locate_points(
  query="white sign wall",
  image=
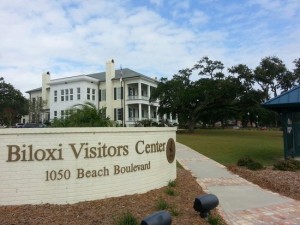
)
(69, 165)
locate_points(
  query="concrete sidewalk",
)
(241, 202)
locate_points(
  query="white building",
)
(105, 89)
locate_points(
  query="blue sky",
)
(153, 37)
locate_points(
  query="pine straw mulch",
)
(283, 182)
(107, 211)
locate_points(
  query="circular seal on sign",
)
(171, 150)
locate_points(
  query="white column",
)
(148, 91)
(140, 112)
(139, 90)
(149, 112)
(126, 113)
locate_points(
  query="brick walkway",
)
(241, 202)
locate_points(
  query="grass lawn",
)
(228, 146)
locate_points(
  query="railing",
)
(135, 97)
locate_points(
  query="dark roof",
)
(287, 100)
(33, 90)
(126, 73)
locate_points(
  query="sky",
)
(153, 37)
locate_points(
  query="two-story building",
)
(124, 93)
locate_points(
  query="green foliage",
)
(84, 115)
(172, 183)
(250, 163)
(287, 165)
(254, 166)
(162, 204)
(127, 219)
(174, 211)
(13, 104)
(170, 191)
(215, 220)
(244, 161)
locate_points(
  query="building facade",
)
(124, 93)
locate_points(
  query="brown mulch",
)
(283, 182)
(108, 210)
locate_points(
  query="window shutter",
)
(115, 93)
(121, 92)
(115, 114)
(99, 95)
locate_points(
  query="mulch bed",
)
(107, 211)
(283, 182)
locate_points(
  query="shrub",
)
(162, 204)
(172, 183)
(287, 165)
(170, 191)
(244, 161)
(174, 211)
(254, 166)
(127, 219)
(214, 220)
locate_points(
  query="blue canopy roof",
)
(289, 100)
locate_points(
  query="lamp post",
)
(248, 119)
(122, 96)
(257, 121)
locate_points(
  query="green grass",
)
(228, 146)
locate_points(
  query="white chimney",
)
(45, 85)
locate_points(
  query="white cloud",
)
(75, 37)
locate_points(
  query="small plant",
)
(250, 163)
(254, 166)
(214, 220)
(127, 219)
(287, 165)
(244, 161)
(172, 183)
(170, 191)
(174, 211)
(162, 204)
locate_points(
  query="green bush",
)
(170, 191)
(127, 219)
(287, 165)
(250, 163)
(214, 220)
(244, 161)
(254, 166)
(172, 183)
(162, 204)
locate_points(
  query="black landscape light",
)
(158, 218)
(204, 203)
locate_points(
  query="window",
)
(118, 115)
(62, 97)
(78, 93)
(93, 94)
(118, 93)
(67, 94)
(62, 113)
(131, 113)
(55, 96)
(55, 114)
(102, 95)
(71, 94)
(88, 91)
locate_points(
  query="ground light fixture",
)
(158, 218)
(204, 203)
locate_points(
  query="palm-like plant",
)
(84, 115)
